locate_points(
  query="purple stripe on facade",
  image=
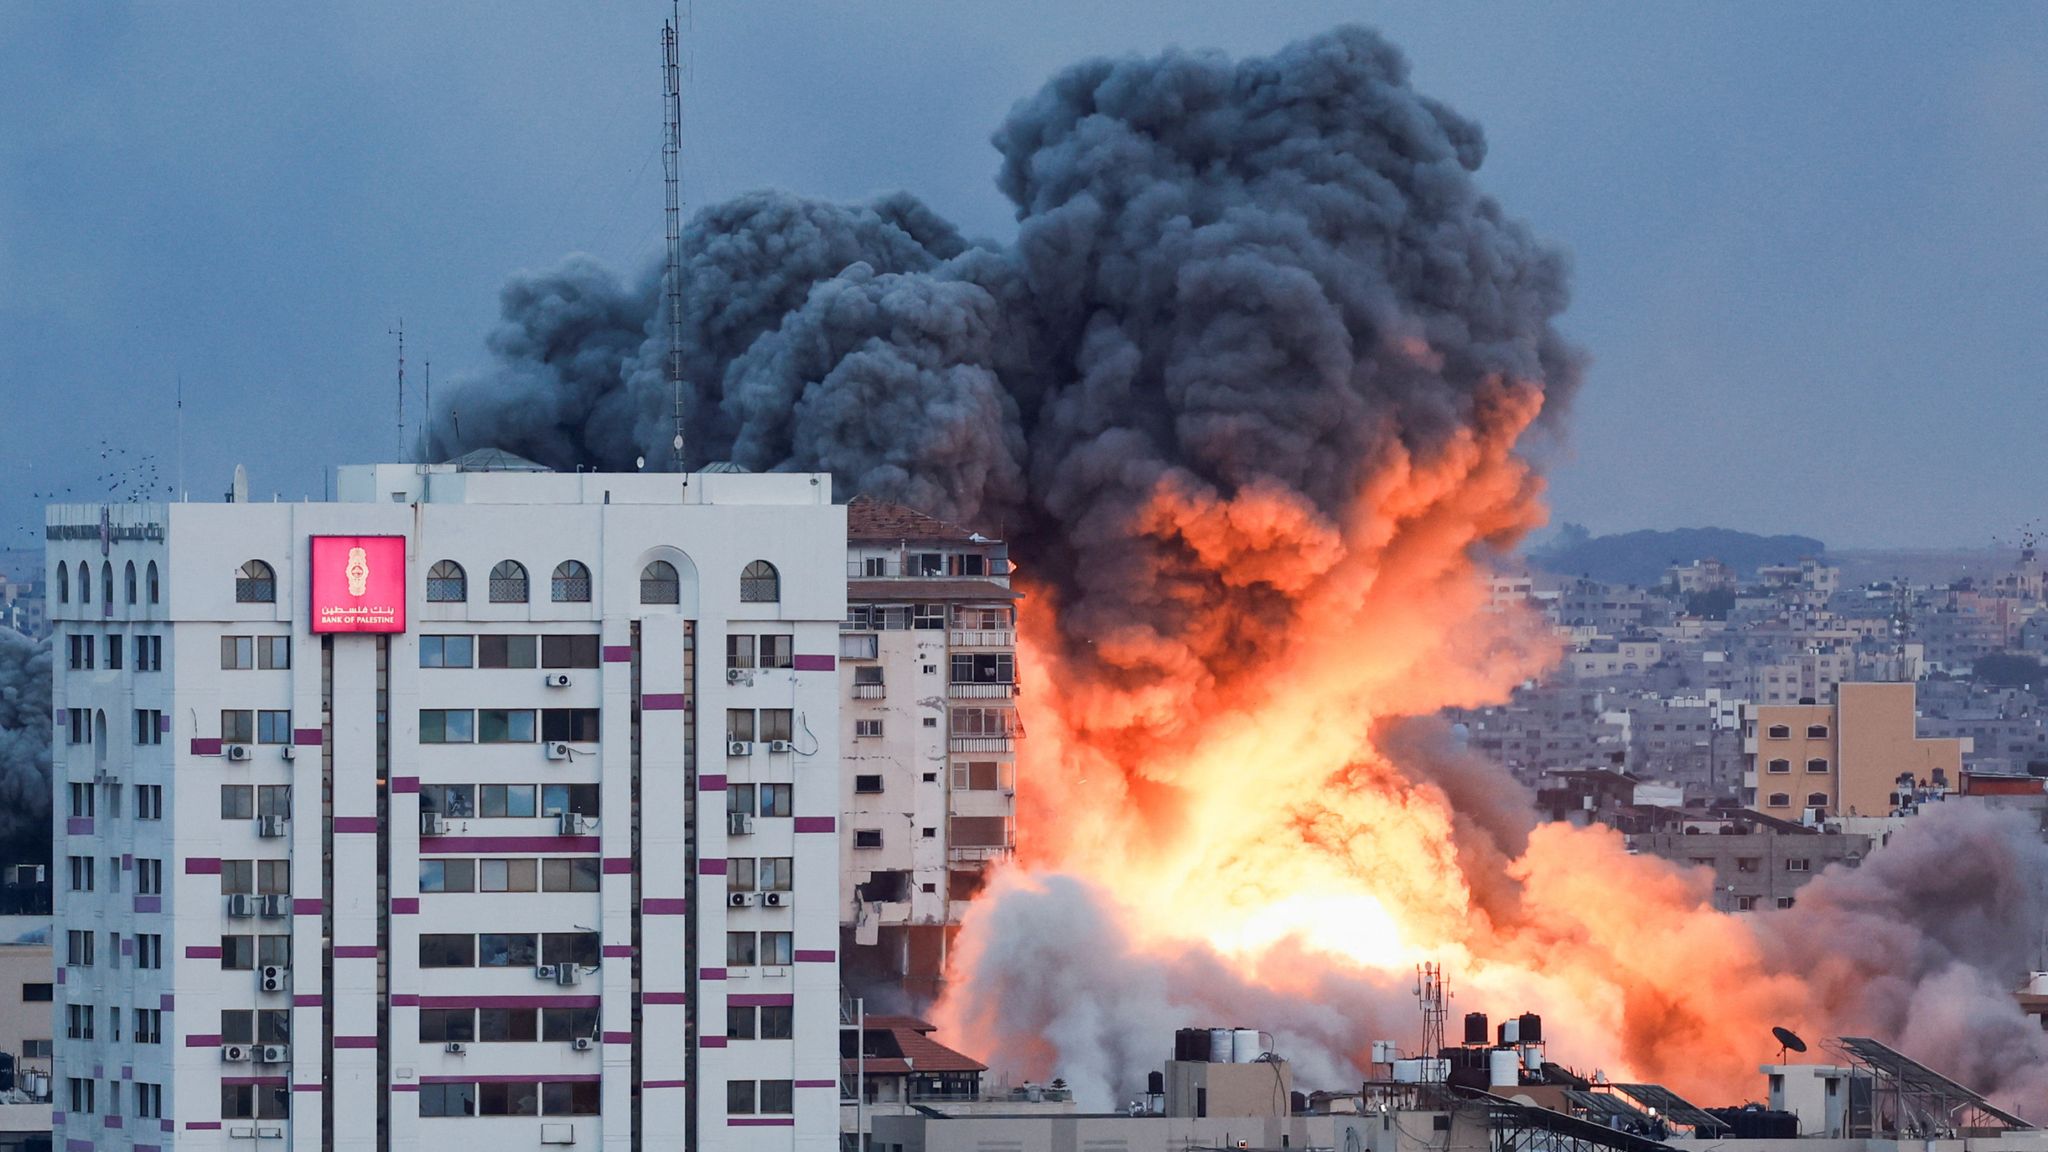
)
(627, 1038)
(163, 722)
(815, 956)
(667, 906)
(817, 1084)
(618, 865)
(355, 951)
(761, 1000)
(711, 867)
(585, 845)
(60, 975)
(313, 1000)
(711, 1041)
(710, 783)
(77, 1146)
(168, 1124)
(196, 1040)
(202, 865)
(663, 701)
(618, 653)
(355, 824)
(816, 823)
(508, 1001)
(202, 1125)
(405, 785)
(307, 1088)
(167, 1002)
(127, 946)
(127, 861)
(202, 952)
(204, 747)
(405, 999)
(710, 973)
(579, 1078)
(127, 1071)
(761, 1122)
(149, 903)
(405, 1087)
(56, 1118)
(111, 1121)
(78, 826)
(308, 906)
(618, 951)
(355, 1041)
(306, 737)
(663, 998)
(804, 663)
(664, 1084)
(257, 1081)
(405, 905)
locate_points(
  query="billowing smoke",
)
(24, 747)
(1247, 393)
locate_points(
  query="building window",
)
(128, 581)
(1778, 800)
(254, 1102)
(447, 726)
(78, 948)
(777, 1022)
(1798, 864)
(867, 838)
(273, 727)
(1786, 902)
(504, 726)
(447, 950)
(255, 583)
(42, 993)
(447, 651)
(571, 583)
(155, 591)
(1816, 799)
(149, 801)
(447, 876)
(927, 617)
(741, 950)
(1745, 903)
(993, 668)
(576, 650)
(739, 1098)
(576, 725)
(776, 1096)
(760, 583)
(1779, 731)
(84, 583)
(739, 1023)
(507, 651)
(1816, 765)
(1779, 766)
(778, 651)
(777, 799)
(237, 725)
(447, 583)
(867, 728)
(1817, 731)
(106, 583)
(505, 800)
(739, 651)
(63, 584)
(508, 583)
(739, 724)
(513, 875)
(659, 584)
(447, 1099)
(867, 783)
(237, 653)
(114, 653)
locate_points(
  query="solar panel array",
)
(1605, 1107)
(1673, 1107)
(1912, 1076)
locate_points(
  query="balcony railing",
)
(981, 852)
(981, 691)
(869, 691)
(984, 638)
(984, 743)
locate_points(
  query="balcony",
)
(980, 853)
(984, 638)
(984, 744)
(981, 691)
(869, 691)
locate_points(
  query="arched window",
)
(106, 582)
(1816, 765)
(659, 584)
(84, 583)
(760, 583)
(1778, 800)
(508, 583)
(154, 591)
(255, 583)
(571, 584)
(1817, 731)
(1816, 799)
(63, 583)
(1780, 732)
(129, 580)
(447, 583)
(1779, 766)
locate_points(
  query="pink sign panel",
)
(358, 583)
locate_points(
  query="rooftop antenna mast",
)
(671, 162)
(181, 435)
(401, 387)
(1430, 994)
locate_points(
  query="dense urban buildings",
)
(481, 806)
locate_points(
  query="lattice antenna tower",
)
(671, 162)
(1431, 995)
(400, 330)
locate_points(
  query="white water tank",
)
(1532, 1057)
(1503, 1069)
(1407, 1071)
(1511, 1031)
(1244, 1046)
(1383, 1052)
(1219, 1045)
(2037, 984)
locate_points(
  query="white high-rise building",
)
(480, 807)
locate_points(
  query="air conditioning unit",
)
(739, 899)
(739, 748)
(274, 978)
(558, 1133)
(271, 827)
(544, 972)
(557, 680)
(558, 750)
(739, 824)
(241, 906)
(454, 1048)
(777, 899)
(234, 1053)
(274, 907)
(568, 975)
(238, 751)
(433, 824)
(582, 1044)
(739, 676)
(288, 752)
(571, 824)
(782, 746)
(274, 1054)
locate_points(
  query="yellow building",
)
(1845, 758)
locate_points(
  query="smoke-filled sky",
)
(1806, 240)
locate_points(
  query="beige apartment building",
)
(1845, 758)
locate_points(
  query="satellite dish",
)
(1788, 1040)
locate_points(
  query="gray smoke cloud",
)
(24, 746)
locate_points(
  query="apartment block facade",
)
(428, 817)
(928, 738)
(1859, 756)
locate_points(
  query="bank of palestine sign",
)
(358, 583)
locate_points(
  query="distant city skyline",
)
(1803, 252)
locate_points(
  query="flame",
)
(1224, 786)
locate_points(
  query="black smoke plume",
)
(24, 749)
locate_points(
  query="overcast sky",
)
(1810, 241)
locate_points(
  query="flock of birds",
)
(125, 476)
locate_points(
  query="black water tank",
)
(1155, 1083)
(1191, 1044)
(1476, 1028)
(1532, 1028)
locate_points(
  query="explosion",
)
(1253, 393)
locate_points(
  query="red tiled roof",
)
(921, 1053)
(958, 588)
(870, 519)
